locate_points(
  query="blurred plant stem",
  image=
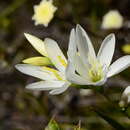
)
(99, 90)
(8, 11)
(78, 127)
(11, 8)
(35, 106)
(111, 121)
(125, 111)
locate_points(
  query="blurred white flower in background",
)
(87, 68)
(125, 98)
(126, 48)
(86, 92)
(112, 20)
(44, 12)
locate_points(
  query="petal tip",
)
(28, 87)
(17, 66)
(49, 41)
(72, 30)
(26, 34)
(46, 39)
(78, 26)
(112, 35)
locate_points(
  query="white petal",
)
(80, 67)
(46, 85)
(59, 75)
(35, 71)
(106, 50)
(127, 90)
(73, 77)
(72, 50)
(82, 45)
(37, 43)
(85, 46)
(60, 90)
(119, 65)
(55, 54)
(38, 61)
(73, 55)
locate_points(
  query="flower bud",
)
(125, 98)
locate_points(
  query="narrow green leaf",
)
(111, 121)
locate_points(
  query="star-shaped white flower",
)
(51, 79)
(84, 67)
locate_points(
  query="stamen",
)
(62, 61)
(55, 72)
(96, 70)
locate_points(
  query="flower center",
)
(95, 75)
(96, 71)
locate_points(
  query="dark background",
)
(21, 109)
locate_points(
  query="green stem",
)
(11, 8)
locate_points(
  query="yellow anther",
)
(95, 75)
(95, 72)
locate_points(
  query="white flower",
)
(44, 12)
(52, 79)
(84, 67)
(112, 20)
(125, 98)
(86, 92)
